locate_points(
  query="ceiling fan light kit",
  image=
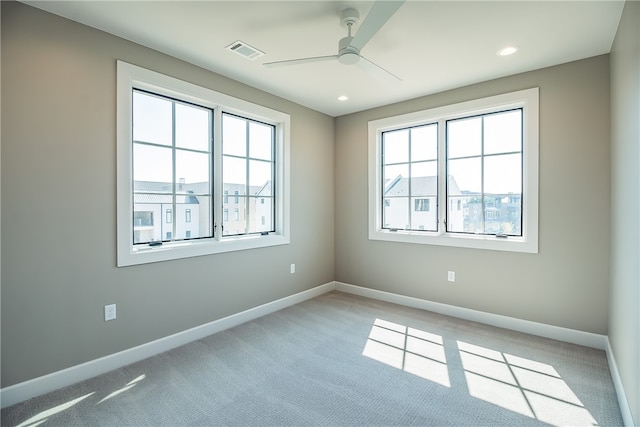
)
(349, 47)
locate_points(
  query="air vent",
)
(244, 50)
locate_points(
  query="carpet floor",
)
(344, 360)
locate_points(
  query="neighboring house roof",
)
(166, 187)
(152, 198)
(192, 190)
(265, 190)
(420, 186)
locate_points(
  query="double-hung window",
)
(461, 175)
(182, 149)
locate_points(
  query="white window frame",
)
(129, 77)
(528, 242)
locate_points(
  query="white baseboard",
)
(26, 390)
(547, 331)
(625, 409)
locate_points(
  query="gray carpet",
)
(344, 360)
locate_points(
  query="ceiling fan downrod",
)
(348, 54)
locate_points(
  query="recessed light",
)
(343, 98)
(506, 51)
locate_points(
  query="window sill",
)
(145, 254)
(486, 242)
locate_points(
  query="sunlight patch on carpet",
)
(528, 387)
(129, 386)
(412, 350)
(44, 415)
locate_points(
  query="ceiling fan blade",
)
(377, 72)
(378, 15)
(300, 61)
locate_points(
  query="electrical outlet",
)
(451, 276)
(293, 268)
(109, 312)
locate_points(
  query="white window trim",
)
(131, 76)
(528, 243)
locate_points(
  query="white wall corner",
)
(625, 409)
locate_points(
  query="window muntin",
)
(508, 207)
(484, 166)
(178, 154)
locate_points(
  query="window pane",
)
(464, 214)
(424, 143)
(511, 215)
(465, 175)
(396, 213)
(395, 147)
(234, 171)
(259, 175)
(144, 223)
(424, 215)
(234, 135)
(395, 180)
(503, 132)
(503, 174)
(236, 220)
(261, 141)
(152, 163)
(193, 217)
(191, 168)
(260, 214)
(424, 180)
(152, 119)
(502, 215)
(464, 137)
(192, 127)
(456, 219)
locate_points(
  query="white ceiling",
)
(431, 45)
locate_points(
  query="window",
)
(248, 167)
(421, 205)
(461, 175)
(409, 174)
(143, 219)
(182, 149)
(484, 164)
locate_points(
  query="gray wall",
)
(58, 206)
(566, 283)
(624, 311)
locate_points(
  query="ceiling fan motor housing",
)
(347, 54)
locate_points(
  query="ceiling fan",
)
(349, 47)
